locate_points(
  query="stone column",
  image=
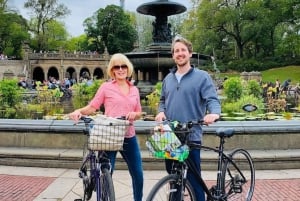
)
(160, 76)
(140, 75)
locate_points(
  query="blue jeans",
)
(194, 155)
(132, 156)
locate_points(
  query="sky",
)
(82, 9)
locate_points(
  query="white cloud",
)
(80, 10)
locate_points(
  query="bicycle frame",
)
(222, 157)
(230, 178)
(97, 160)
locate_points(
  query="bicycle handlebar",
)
(190, 124)
(87, 119)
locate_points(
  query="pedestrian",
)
(120, 98)
(277, 86)
(188, 94)
(285, 86)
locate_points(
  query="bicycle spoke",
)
(168, 190)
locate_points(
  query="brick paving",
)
(277, 190)
(274, 189)
(22, 188)
(26, 188)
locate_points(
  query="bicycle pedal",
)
(237, 188)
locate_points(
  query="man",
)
(188, 94)
(285, 86)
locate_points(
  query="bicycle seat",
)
(225, 132)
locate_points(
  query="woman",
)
(120, 98)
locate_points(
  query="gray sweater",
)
(190, 99)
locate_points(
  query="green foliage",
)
(79, 43)
(11, 94)
(10, 113)
(82, 93)
(233, 89)
(27, 111)
(237, 107)
(247, 65)
(45, 95)
(56, 35)
(144, 30)
(244, 30)
(152, 99)
(13, 33)
(111, 27)
(46, 12)
(254, 88)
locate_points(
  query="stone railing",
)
(255, 135)
(53, 55)
(58, 143)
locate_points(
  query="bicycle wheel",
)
(238, 176)
(88, 180)
(168, 189)
(106, 188)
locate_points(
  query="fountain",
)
(153, 64)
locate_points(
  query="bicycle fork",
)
(177, 189)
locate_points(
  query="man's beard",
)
(182, 63)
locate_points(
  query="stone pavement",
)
(58, 184)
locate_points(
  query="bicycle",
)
(95, 170)
(235, 172)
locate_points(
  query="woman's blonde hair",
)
(118, 57)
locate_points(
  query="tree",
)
(283, 26)
(144, 30)
(111, 28)
(54, 38)
(77, 44)
(13, 31)
(239, 29)
(44, 12)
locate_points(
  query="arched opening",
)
(98, 74)
(84, 74)
(53, 72)
(70, 73)
(38, 74)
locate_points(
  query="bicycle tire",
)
(87, 180)
(238, 181)
(162, 191)
(106, 188)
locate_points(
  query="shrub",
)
(83, 93)
(245, 65)
(11, 94)
(233, 107)
(233, 89)
(153, 98)
(254, 88)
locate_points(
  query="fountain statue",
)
(153, 64)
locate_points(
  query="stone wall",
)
(257, 135)
(13, 67)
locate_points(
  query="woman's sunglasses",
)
(122, 67)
